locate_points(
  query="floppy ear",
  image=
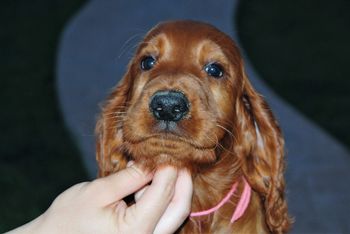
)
(260, 146)
(109, 133)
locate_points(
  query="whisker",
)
(125, 45)
(114, 116)
(226, 130)
(115, 113)
(112, 113)
(117, 119)
(218, 144)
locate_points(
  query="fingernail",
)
(140, 169)
(130, 163)
(168, 171)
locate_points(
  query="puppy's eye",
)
(214, 69)
(148, 63)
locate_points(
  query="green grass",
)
(301, 48)
(38, 158)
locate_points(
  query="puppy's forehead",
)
(169, 45)
(158, 45)
(189, 38)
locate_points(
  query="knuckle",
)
(135, 173)
(186, 212)
(169, 189)
(96, 185)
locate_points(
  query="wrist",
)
(34, 226)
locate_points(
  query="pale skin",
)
(97, 206)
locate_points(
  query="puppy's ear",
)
(260, 147)
(109, 133)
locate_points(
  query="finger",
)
(125, 182)
(139, 193)
(156, 197)
(179, 207)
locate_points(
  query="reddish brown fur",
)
(217, 141)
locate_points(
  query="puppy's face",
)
(185, 80)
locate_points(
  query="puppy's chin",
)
(153, 153)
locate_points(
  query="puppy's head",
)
(176, 101)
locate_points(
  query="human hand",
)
(97, 206)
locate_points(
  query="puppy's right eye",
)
(148, 63)
(214, 69)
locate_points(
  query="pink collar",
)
(241, 205)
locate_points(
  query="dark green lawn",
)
(301, 48)
(38, 158)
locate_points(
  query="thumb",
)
(123, 183)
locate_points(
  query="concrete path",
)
(95, 48)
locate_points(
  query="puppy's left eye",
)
(148, 63)
(214, 69)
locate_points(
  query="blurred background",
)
(300, 48)
(38, 157)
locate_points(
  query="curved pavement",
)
(94, 50)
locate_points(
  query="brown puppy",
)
(186, 101)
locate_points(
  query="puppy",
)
(186, 101)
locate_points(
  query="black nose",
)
(169, 105)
